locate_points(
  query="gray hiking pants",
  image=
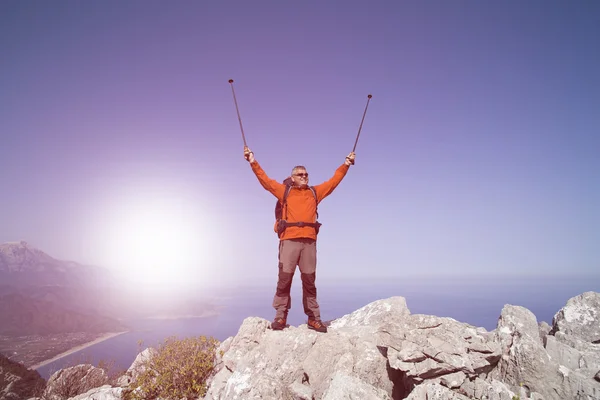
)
(303, 253)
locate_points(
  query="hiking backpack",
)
(280, 223)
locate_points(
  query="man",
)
(298, 238)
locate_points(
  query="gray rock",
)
(590, 360)
(217, 383)
(345, 387)
(137, 367)
(578, 386)
(544, 330)
(377, 313)
(221, 374)
(300, 391)
(580, 317)
(525, 362)
(17, 381)
(434, 391)
(102, 393)
(426, 347)
(563, 354)
(296, 362)
(453, 381)
(70, 382)
(479, 388)
(589, 353)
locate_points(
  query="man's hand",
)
(248, 154)
(350, 159)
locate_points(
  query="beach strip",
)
(77, 348)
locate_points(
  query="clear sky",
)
(479, 155)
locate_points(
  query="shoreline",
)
(76, 349)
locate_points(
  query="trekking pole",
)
(361, 124)
(238, 113)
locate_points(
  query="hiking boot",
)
(316, 326)
(278, 324)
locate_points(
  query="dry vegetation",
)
(178, 370)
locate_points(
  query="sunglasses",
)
(302, 175)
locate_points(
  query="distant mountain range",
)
(42, 295)
(23, 265)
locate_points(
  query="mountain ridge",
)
(24, 265)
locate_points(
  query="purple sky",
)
(478, 155)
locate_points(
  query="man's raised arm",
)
(326, 188)
(276, 188)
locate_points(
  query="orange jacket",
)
(300, 203)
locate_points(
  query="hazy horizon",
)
(407, 274)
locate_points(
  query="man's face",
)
(300, 177)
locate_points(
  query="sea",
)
(476, 301)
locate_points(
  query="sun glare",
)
(158, 242)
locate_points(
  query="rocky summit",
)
(382, 351)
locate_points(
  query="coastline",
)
(75, 349)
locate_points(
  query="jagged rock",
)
(544, 330)
(380, 345)
(377, 313)
(70, 382)
(580, 317)
(565, 346)
(434, 391)
(425, 347)
(18, 382)
(453, 381)
(259, 362)
(562, 353)
(105, 392)
(525, 363)
(300, 391)
(383, 351)
(479, 388)
(345, 387)
(137, 367)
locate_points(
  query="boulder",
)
(526, 364)
(72, 381)
(137, 367)
(580, 318)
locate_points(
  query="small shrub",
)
(179, 370)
